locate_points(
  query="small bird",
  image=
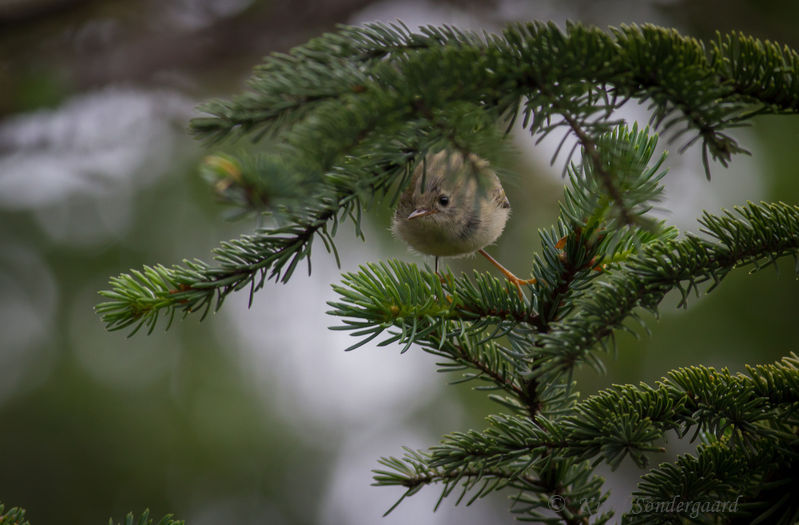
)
(455, 205)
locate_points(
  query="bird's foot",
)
(509, 275)
(519, 282)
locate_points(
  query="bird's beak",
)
(421, 212)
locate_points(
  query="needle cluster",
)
(345, 119)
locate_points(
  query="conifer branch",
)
(751, 426)
(349, 98)
(348, 116)
(709, 86)
(753, 235)
(719, 482)
(590, 154)
(533, 493)
(13, 516)
(335, 86)
(137, 299)
(626, 421)
(145, 519)
(445, 316)
(140, 297)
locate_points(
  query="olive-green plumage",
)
(455, 205)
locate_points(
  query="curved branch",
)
(756, 233)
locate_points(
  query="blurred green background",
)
(257, 415)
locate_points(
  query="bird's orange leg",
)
(508, 274)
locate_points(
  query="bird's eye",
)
(443, 200)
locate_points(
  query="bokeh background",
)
(258, 416)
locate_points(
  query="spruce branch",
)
(590, 71)
(593, 230)
(381, 296)
(145, 519)
(342, 192)
(748, 65)
(720, 483)
(590, 151)
(627, 420)
(398, 292)
(344, 121)
(532, 494)
(715, 404)
(342, 87)
(530, 455)
(755, 235)
(413, 472)
(371, 94)
(138, 298)
(13, 516)
(456, 319)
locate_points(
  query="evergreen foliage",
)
(145, 519)
(12, 516)
(345, 118)
(16, 516)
